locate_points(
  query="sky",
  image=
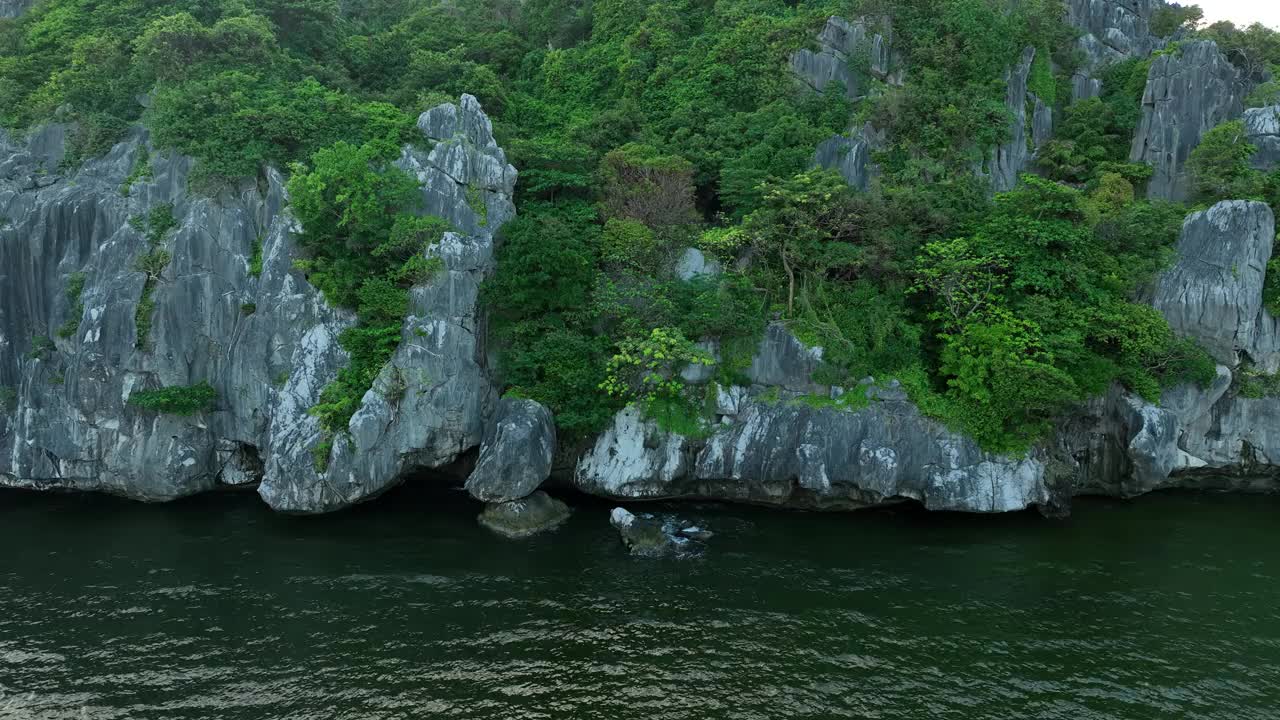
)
(1241, 12)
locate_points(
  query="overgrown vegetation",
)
(155, 227)
(642, 128)
(365, 248)
(75, 288)
(176, 400)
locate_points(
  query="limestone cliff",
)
(1263, 126)
(1110, 31)
(264, 339)
(1189, 91)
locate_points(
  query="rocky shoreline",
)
(231, 311)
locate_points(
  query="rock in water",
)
(642, 535)
(516, 455)
(525, 517)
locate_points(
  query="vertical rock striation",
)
(1263, 126)
(786, 440)
(850, 54)
(13, 8)
(1110, 31)
(1189, 91)
(265, 340)
(430, 403)
(1006, 161)
(844, 49)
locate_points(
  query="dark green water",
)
(1167, 607)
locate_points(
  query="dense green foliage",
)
(365, 248)
(642, 128)
(177, 400)
(1169, 19)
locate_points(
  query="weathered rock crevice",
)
(72, 426)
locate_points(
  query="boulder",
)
(515, 457)
(528, 516)
(13, 8)
(643, 535)
(1189, 91)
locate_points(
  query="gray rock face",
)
(1214, 292)
(13, 8)
(537, 513)
(267, 343)
(693, 263)
(783, 361)
(429, 404)
(841, 44)
(850, 155)
(516, 455)
(1211, 436)
(1263, 127)
(1008, 160)
(1188, 93)
(1214, 436)
(777, 448)
(72, 427)
(1111, 30)
(788, 453)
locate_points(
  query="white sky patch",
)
(1240, 12)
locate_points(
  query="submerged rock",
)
(516, 455)
(643, 535)
(525, 517)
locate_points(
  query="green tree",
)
(1219, 166)
(1168, 19)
